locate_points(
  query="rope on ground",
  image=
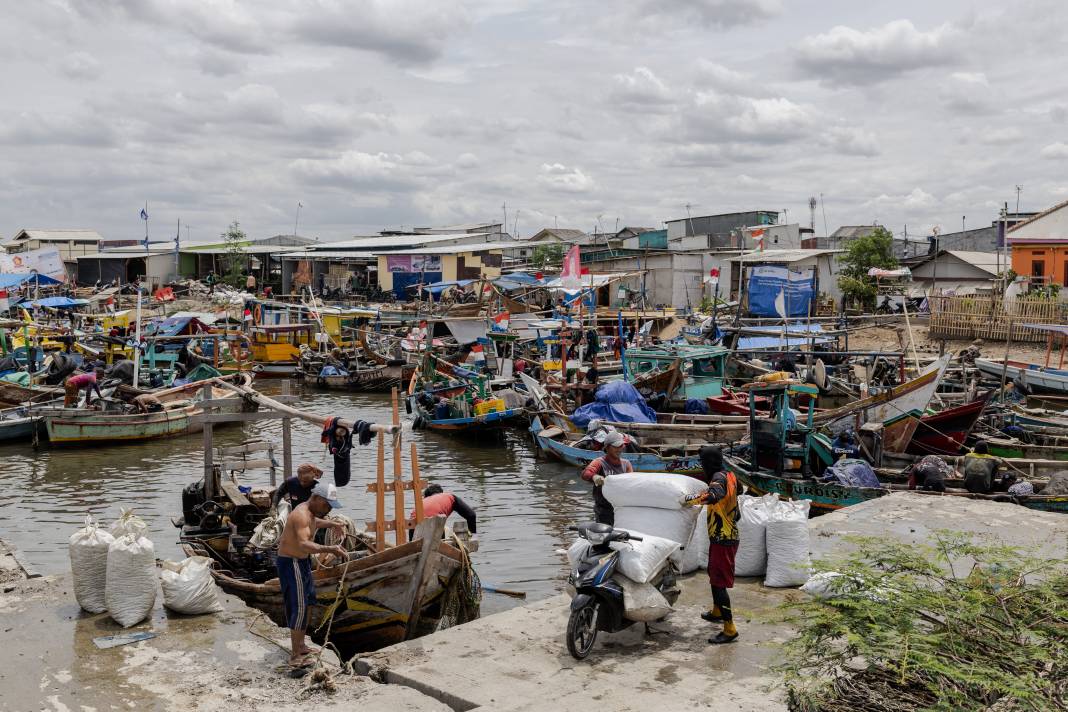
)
(321, 678)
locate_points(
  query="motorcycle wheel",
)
(582, 631)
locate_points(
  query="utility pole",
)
(823, 208)
(296, 220)
(504, 207)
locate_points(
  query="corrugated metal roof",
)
(780, 256)
(71, 234)
(327, 255)
(402, 240)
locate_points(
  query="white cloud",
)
(1056, 151)
(851, 141)
(558, 177)
(641, 88)
(706, 13)
(845, 54)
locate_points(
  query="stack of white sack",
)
(188, 586)
(642, 601)
(89, 565)
(655, 503)
(639, 561)
(753, 512)
(787, 544)
(131, 573)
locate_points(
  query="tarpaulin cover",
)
(439, 287)
(13, 280)
(466, 331)
(58, 302)
(852, 473)
(889, 273)
(767, 281)
(617, 401)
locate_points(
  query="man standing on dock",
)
(605, 466)
(722, 505)
(294, 562)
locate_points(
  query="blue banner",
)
(793, 290)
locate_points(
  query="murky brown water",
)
(524, 504)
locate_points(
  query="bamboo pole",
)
(417, 486)
(380, 496)
(398, 480)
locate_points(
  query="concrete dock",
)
(512, 661)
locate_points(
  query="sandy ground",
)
(212, 663)
(895, 337)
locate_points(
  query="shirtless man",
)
(294, 562)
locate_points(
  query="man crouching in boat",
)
(294, 562)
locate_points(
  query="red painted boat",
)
(944, 433)
(734, 403)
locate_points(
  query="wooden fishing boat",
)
(1009, 448)
(702, 369)
(553, 442)
(370, 379)
(178, 416)
(685, 433)
(275, 349)
(1035, 377)
(944, 433)
(825, 497)
(14, 394)
(388, 596)
(16, 425)
(448, 398)
(899, 409)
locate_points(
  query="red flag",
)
(584, 271)
(571, 275)
(501, 320)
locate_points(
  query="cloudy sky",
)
(390, 113)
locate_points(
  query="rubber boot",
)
(713, 616)
(728, 635)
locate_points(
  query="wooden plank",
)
(390, 487)
(248, 447)
(287, 448)
(430, 532)
(236, 496)
(254, 417)
(380, 497)
(390, 525)
(417, 485)
(241, 463)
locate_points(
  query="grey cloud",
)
(642, 89)
(707, 13)
(851, 141)
(54, 129)
(80, 65)
(851, 56)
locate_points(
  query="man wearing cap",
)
(298, 490)
(605, 466)
(294, 562)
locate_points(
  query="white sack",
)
(576, 552)
(752, 556)
(127, 523)
(89, 565)
(674, 524)
(642, 601)
(695, 555)
(131, 579)
(787, 544)
(661, 490)
(641, 560)
(822, 585)
(188, 586)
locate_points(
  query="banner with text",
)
(767, 282)
(45, 261)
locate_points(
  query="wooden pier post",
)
(398, 481)
(209, 465)
(380, 496)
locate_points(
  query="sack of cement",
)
(188, 586)
(131, 579)
(676, 525)
(695, 555)
(660, 490)
(642, 601)
(641, 560)
(787, 544)
(89, 565)
(752, 556)
(127, 523)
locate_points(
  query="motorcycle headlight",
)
(596, 537)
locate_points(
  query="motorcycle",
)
(597, 597)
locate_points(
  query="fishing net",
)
(462, 599)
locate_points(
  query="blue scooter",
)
(598, 598)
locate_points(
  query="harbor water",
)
(524, 504)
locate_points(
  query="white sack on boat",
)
(661, 490)
(787, 544)
(642, 601)
(752, 556)
(676, 525)
(188, 586)
(89, 565)
(131, 579)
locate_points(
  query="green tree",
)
(546, 256)
(873, 250)
(235, 239)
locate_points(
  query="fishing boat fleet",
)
(797, 413)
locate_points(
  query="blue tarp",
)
(58, 302)
(516, 280)
(774, 338)
(8, 280)
(767, 281)
(851, 473)
(439, 287)
(617, 401)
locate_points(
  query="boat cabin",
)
(701, 369)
